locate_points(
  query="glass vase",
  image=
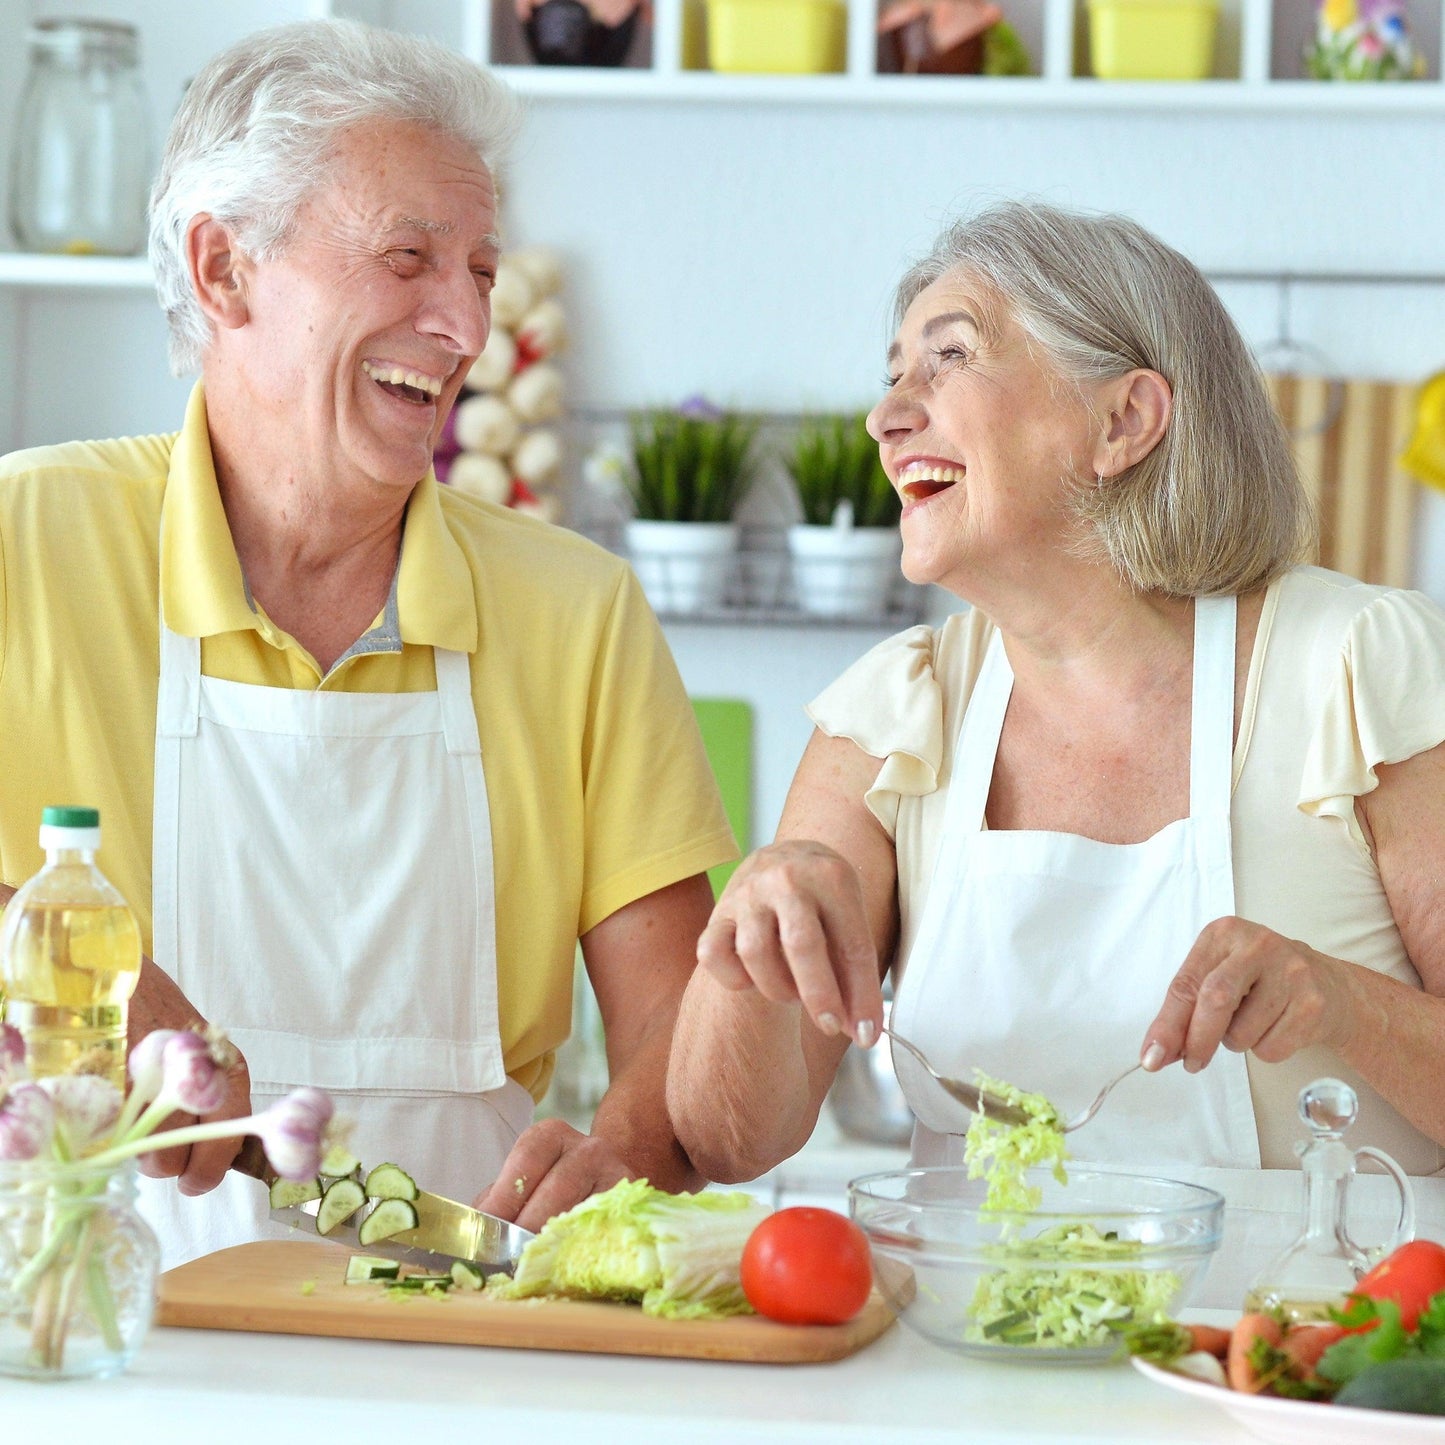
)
(78, 1269)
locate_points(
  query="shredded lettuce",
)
(677, 1255)
(1001, 1152)
(1035, 1303)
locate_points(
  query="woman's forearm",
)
(1395, 1041)
(744, 1084)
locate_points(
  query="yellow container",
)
(777, 37)
(1152, 39)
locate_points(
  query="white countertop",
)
(208, 1387)
(239, 1388)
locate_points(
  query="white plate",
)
(1304, 1422)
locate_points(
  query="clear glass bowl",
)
(1059, 1283)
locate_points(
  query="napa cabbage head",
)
(677, 1255)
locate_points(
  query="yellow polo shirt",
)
(598, 785)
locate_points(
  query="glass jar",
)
(78, 1269)
(80, 160)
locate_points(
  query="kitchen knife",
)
(445, 1230)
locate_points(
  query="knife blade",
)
(445, 1231)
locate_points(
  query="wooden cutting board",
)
(298, 1288)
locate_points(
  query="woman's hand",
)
(1250, 989)
(792, 925)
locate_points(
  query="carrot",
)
(1240, 1373)
(1209, 1339)
(1304, 1344)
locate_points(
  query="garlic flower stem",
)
(191, 1134)
(130, 1111)
(159, 1108)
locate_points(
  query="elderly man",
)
(371, 756)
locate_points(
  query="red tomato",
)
(807, 1267)
(1409, 1276)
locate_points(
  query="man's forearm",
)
(158, 1003)
(633, 1118)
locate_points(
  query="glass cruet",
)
(1322, 1266)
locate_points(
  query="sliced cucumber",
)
(367, 1268)
(339, 1162)
(466, 1275)
(340, 1201)
(389, 1217)
(286, 1192)
(431, 1284)
(390, 1181)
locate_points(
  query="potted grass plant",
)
(690, 469)
(845, 551)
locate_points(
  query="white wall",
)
(747, 251)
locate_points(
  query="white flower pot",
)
(844, 571)
(683, 566)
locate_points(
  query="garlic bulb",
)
(481, 476)
(542, 267)
(512, 296)
(544, 326)
(537, 458)
(536, 394)
(492, 370)
(485, 423)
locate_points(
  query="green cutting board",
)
(727, 734)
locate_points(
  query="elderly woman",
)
(373, 757)
(1160, 789)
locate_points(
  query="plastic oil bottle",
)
(70, 955)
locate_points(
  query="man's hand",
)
(159, 1004)
(551, 1167)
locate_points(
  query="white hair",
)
(1217, 507)
(259, 123)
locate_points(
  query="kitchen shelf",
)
(761, 588)
(110, 273)
(1257, 66)
(1019, 93)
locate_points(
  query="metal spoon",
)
(974, 1099)
(981, 1101)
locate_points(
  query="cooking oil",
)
(70, 956)
(1295, 1311)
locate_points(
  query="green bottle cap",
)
(70, 818)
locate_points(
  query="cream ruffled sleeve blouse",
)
(1343, 677)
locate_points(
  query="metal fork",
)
(981, 1101)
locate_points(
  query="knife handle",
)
(252, 1160)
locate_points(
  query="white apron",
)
(322, 890)
(1041, 958)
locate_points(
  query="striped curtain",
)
(1347, 436)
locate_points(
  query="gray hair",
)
(1217, 508)
(253, 135)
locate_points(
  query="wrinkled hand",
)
(792, 926)
(551, 1167)
(1246, 987)
(198, 1168)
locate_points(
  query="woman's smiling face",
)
(981, 440)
